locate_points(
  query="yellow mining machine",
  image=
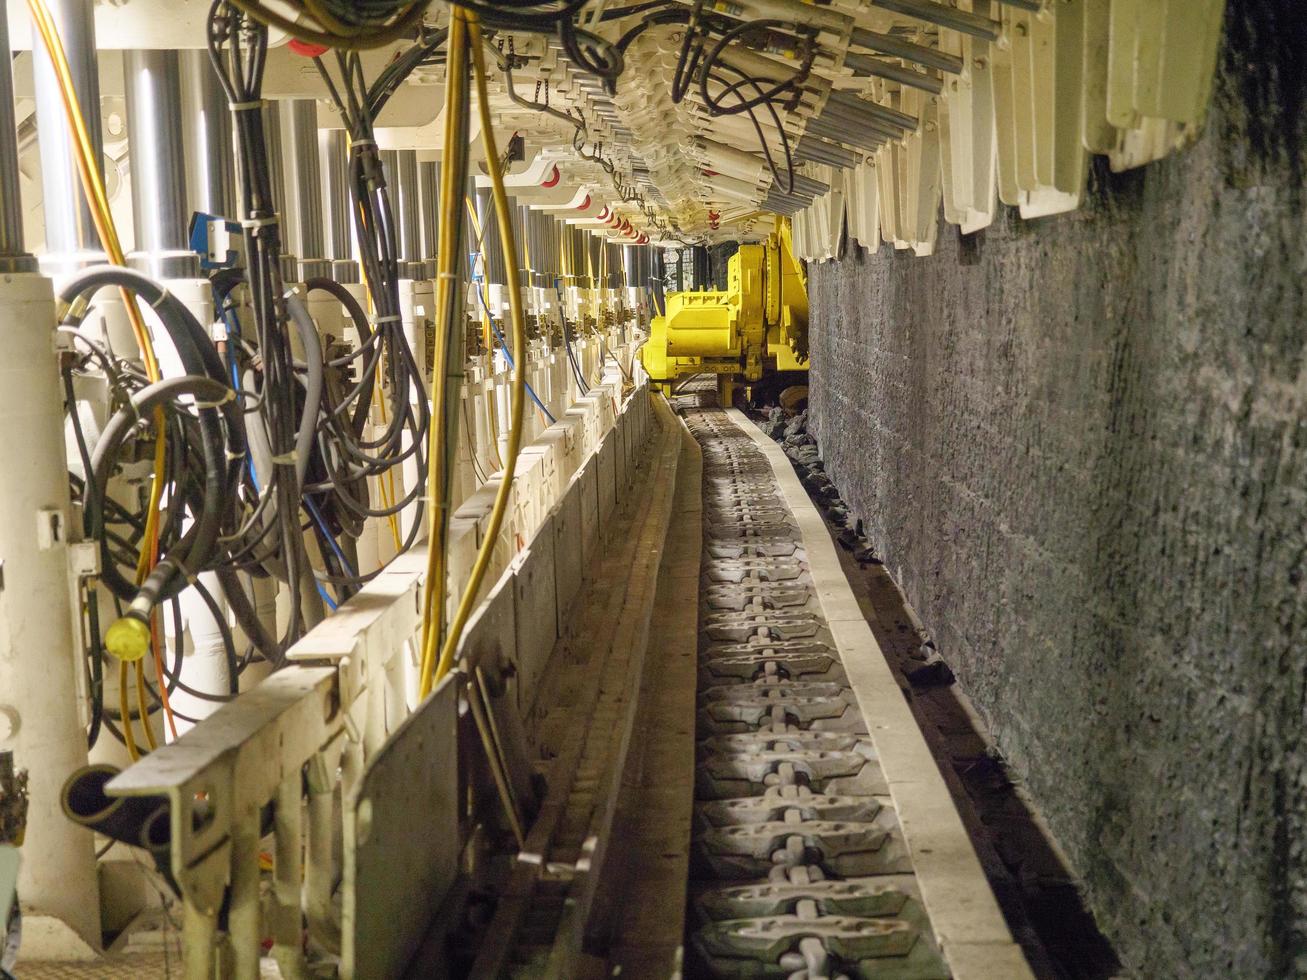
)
(755, 331)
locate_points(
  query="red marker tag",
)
(306, 50)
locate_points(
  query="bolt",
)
(10, 722)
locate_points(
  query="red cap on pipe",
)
(552, 179)
(306, 50)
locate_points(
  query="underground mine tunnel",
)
(649, 488)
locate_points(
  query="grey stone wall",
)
(1081, 445)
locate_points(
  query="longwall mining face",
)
(415, 557)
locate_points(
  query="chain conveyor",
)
(799, 865)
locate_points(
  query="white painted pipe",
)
(39, 717)
(263, 592)
(204, 660)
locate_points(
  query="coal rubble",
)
(791, 431)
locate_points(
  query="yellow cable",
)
(142, 711)
(125, 709)
(484, 554)
(455, 111)
(88, 170)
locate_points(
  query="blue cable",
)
(507, 355)
(326, 598)
(331, 538)
(567, 339)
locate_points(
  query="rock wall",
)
(1080, 444)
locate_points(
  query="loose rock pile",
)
(791, 431)
(923, 666)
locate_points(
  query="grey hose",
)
(308, 332)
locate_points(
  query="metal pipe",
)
(470, 243)
(616, 270)
(838, 126)
(839, 163)
(302, 218)
(580, 251)
(531, 252)
(517, 218)
(594, 248)
(632, 266)
(529, 248)
(272, 138)
(13, 256)
(863, 64)
(780, 204)
(899, 48)
(404, 203)
(863, 139)
(549, 235)
(962, 21)
(154, 122)
(845, 159)
(333, 152)
(429, 212)
(207, 136)
(893, 117)
(813, 150)
(846, 117)
(492, 249)
(806, 186)
(71, 241)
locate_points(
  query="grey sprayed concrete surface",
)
(1081, 445)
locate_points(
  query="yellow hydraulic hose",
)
(517, 405)
(456, 109)
(88, 169)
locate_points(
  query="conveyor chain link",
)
(800, 865)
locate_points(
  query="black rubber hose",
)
(247, 618)
(121, 818)
(196, 350)
(204, 534)
(360, 318)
